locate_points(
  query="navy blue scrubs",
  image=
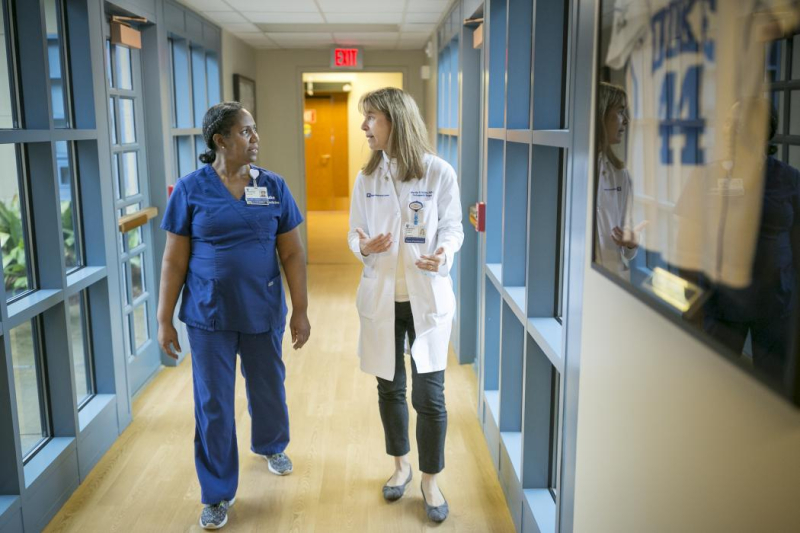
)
(233, 302)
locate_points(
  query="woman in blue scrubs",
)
(225, 222)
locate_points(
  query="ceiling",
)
(280, 24)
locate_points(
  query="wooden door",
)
(326, 147)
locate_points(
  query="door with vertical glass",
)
(131, 195)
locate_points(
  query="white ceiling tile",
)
(282, 38)
(206, 5)
(245, 27)
(379, 37)
(409, 36)
(276, 6)
(259, 17)
(361, 6)
(418, 28)
(427, 6)
(364, 18)
(223, 17)
(379, 46)
(424, 18)
(410, 45)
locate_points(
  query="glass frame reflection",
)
(691, 216)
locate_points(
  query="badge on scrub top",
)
(256, 195)
(414, 233)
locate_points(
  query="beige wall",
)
(237, 58)
(280, 102)
(358, 151)
(671, 437)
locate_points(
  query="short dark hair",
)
(220, 119)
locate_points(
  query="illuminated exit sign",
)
(347, 58)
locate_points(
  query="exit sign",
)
(347, 58)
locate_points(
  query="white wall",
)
(362, 82)
(237, 58)
(671, 437)
(280, 102)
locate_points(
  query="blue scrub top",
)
(233, 282)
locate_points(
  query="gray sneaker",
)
(279, 464)
(215, 516)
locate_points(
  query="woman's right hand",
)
(375, 245)
(168, 337)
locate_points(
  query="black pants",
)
(427, 397)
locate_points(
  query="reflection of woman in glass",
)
(616, 240)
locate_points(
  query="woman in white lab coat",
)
(405, 227)
(616, 240)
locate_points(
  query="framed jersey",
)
(697, 188)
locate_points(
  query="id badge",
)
(413, 233)
(256, 196)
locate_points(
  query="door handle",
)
(139, 218)
(324, 158)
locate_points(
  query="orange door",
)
(325, 131)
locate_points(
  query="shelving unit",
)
(524, 171)
(458, 141)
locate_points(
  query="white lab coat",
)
(614, 209)
(377, 208)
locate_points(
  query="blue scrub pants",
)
(214, 378)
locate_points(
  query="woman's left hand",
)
(431, 263)
(300, 329)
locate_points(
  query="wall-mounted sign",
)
(310, 116)
(347, 58)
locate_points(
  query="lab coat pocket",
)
(367, 297)
(443, 297)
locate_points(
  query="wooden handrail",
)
(139, 218)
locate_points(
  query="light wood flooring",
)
(327, 238)
(147, 481)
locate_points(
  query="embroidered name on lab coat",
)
(424, 194)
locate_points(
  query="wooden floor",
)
(147, 482)
(327, 238)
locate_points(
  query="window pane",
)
(199, 86)
(137, 276)
(779, 107)
(212, 77)
(81, 354)
(124, 273)
(7, 107)
(122, 64)
(69, 215)
(133, 238)
(127, 126)
(109, 76)
(29, 384)
(796, 57)
(13, 233)
(794, 112)
(140, 327)
(794, 156)
(130, 172)
(185, 155)
(58, 78)
(112, 112)
(180, 84)
(199, 148)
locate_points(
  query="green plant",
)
(12, 246)
(68, 231)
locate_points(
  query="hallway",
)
(146, 482)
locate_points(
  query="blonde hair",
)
(408, 138)
(608, 97)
